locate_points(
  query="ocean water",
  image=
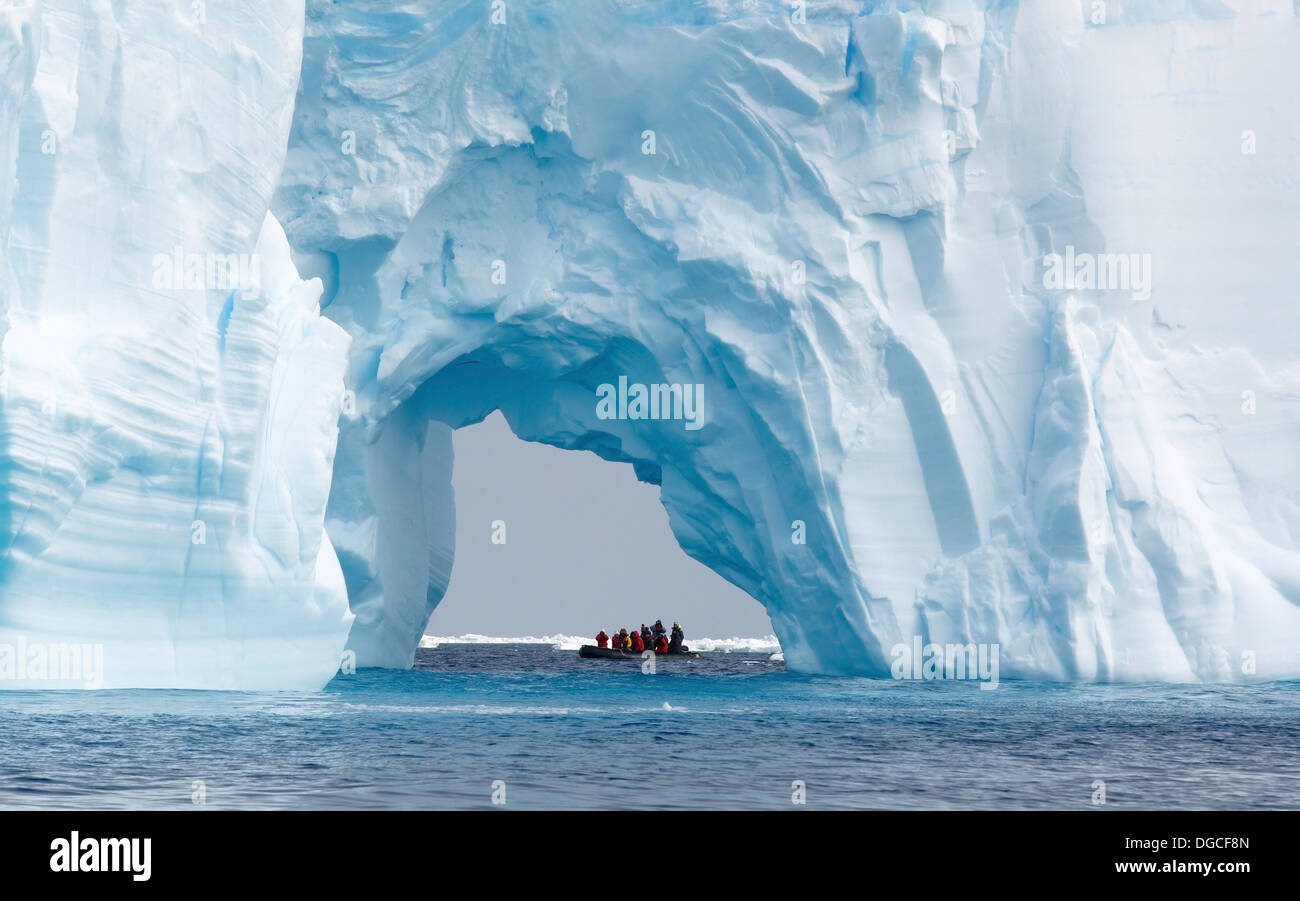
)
(551, 730)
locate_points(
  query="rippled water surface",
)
(726, 731)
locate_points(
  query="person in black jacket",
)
(675, 643)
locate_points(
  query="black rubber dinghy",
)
(590, 651)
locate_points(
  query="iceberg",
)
(985, 304)
(170, 393)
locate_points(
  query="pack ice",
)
(987, 309)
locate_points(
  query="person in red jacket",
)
(661, 644)
(602, 640)
(637, 644)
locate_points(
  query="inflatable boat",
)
(590, 651)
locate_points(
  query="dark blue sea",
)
(538, 727)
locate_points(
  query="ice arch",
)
(540, 260)
(834, 226)
(733, 488)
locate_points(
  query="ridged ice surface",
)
(836, 220)
(165, 444)
(840, 232)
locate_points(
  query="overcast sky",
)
(587, 547)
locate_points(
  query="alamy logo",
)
(946, 661)
(208, 271)
(1098, 272)
(638, 401)
(79, 665)
(102, 855)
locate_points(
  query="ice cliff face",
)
(985, 304)
(170, 392)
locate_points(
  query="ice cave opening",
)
(550, 542)
(393, 510)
